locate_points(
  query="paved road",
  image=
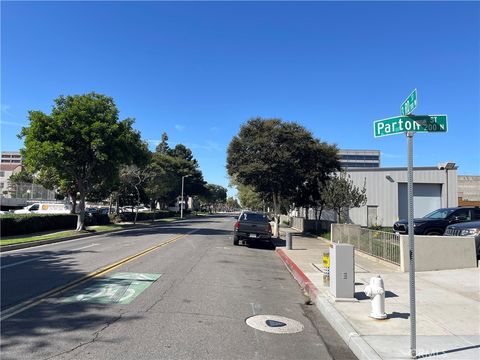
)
(205, 289)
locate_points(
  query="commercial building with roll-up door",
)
(387, 195)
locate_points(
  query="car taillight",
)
(269, 228)
(237, 225)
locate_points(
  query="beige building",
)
(6, 170)
(468, 190)
(11, 157)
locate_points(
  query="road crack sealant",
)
(96, 335)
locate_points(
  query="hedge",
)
(142, 216)
(19, 224)
(31, 223)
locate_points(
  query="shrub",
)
(142, 216)
(19, 224)
(97, 219)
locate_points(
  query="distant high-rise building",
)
(359, 158)
(11, 157)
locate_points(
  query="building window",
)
(2, 173)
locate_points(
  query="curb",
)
(358, 345)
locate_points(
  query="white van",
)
(45, 208)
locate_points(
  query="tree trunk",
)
(110, 204)
(137, 205)
(81, 215)
(154, 210)
(316, 221)
(276, 211)
(73, 199)
(117, 205)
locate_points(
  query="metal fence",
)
(380, 244)
(30, 192)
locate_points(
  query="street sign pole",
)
(410, 124)
(411, 247)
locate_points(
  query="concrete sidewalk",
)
(448, 306)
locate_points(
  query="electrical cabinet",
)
(342, 271)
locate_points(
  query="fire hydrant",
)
(376, 292)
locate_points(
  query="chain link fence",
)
(30, 192)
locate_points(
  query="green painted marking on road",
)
(119, 288)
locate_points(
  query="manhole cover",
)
(274, 324)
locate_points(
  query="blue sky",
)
(200, 70)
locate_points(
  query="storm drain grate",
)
(274, 324)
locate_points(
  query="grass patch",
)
(19, 239)
(11, 240)
(326, 235)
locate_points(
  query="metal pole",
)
(181, 205)
(446, 172)
(289, 240)
(411, 248)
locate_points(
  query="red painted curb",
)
(299, 275)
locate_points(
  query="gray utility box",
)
(342, 271)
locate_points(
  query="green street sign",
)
(409, 104)
(401, 124)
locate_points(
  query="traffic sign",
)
(401, 124)
(409, 104)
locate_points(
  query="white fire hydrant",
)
(376, 292)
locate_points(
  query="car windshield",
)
(439, 214)
(254, 217)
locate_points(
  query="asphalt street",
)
(186, 295)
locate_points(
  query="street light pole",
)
(181, 205)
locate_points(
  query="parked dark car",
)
(471, 228)
(437, 221)
(251, 226)
(104, 211)
(90, 211)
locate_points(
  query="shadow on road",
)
(34, 329)
(26, 275)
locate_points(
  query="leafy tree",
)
(163, 186)
(342, 195)
(182, 152)
(21, 177)
(167, 167)
(163, 147)
(276, 158)
(249, 198)
(214, 196)
(232, 203)
(132, 180)
(82, 141)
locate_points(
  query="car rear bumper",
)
(252, 236)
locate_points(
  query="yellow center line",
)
(27, 304)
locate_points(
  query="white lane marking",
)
(38, 258)
(22, 262)
(84, 247)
